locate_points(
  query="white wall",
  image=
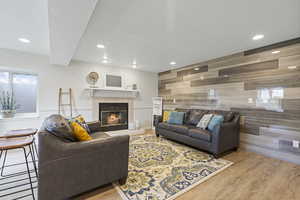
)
(52, 77)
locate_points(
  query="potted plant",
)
(8, 105)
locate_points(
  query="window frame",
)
(10, 79)
(273, 103)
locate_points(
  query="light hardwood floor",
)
(252, 177)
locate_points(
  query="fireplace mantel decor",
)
(113, 92)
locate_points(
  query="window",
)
(24, 88)
(270, 99)
(212, 94)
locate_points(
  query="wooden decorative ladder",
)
(62, 105)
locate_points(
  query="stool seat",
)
(19, 133)
(19, 139)
(14, 143)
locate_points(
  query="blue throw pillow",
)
(176, 118)
(215, 120)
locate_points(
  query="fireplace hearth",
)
(113, 116)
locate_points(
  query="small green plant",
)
(8, 102)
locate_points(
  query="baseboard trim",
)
(271, 153)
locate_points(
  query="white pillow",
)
(203, 123)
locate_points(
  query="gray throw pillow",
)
(60, 127)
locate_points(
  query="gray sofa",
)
(222, 139)
(67, 169)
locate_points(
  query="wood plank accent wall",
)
(236, 80)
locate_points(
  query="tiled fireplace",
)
(113, 116)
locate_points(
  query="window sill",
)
(20, 117)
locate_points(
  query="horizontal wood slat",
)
(195, 70)
(273, 64)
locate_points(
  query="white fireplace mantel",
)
(112, 92)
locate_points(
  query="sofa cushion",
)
(186, 115)
(195, 116)
(80, 132)
(228, 115)
(166, 115)
(174, 127)
(203, 123)
(200, 134)
(176, 118)
(81, 121)
(60, 127)
(216, 120)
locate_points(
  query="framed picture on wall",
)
(113, 81)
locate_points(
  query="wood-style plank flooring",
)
(252, 177)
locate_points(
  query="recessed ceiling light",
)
(105, 61)
(105, 57)
(133, 66)
(196, 69)
(100, 46)
(172, 63)
(24, 40)
(275, 52)
(292, 67)
(258, 37)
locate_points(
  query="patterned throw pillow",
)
(216, 120)
(203, 123)
(79, 132)
(166, 115)
(81, 121)
(59, 126)
(176, 118)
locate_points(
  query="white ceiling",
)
(68, 20)
(24, 19)
(155, 32)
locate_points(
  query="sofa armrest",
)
(157, 119)
(226, 136)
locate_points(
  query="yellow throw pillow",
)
(79, 118)
(79, 132)
(166, 115)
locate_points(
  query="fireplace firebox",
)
(113, 116)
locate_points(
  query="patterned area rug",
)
(160, 169)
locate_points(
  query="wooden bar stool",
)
(7, 144)
(22, 133)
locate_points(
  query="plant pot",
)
(8, 113)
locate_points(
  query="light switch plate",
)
(295, 144)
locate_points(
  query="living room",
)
(133, 100)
